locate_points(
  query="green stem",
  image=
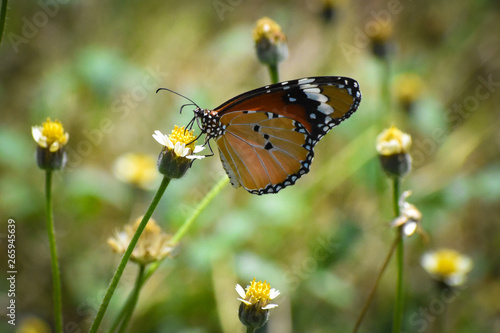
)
(130, 306)
(398, 310)
(56, 275)
(274, 73)
(126, 256)
(151, 268)
(250, 329)
(201, 206)
(375, 285)
(3, 15)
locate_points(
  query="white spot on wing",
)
(312, 90)
(325, 109)
(305, 80)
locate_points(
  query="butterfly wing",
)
(263, 151)
(270, 132)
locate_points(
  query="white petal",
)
(464, 265)
(179, 148)
(244, 301)
(274, 293)
(163, 139)
(36, 131)
(198, 149)
(455, 280)
(186, 151)
(429, 262)
(54, 146)
(159, 137)
(399, 221)
(195, 157)
(410, 228)
(240, 291)
(269, 306)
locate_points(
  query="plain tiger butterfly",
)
(266, 136)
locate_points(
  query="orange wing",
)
(264, 152)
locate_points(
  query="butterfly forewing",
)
(318, 103)
(269, 133)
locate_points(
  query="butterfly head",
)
(209, 123)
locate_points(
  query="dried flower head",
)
(409, 218)
(178, 152)
(393, 147)
(51, 139)
(447, 266)
(256, 303)
(270, 42)
(153, 245)
(137, 169)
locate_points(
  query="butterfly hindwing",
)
(264, 152)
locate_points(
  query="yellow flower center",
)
(54, 131)
(138, 169)
(408, 87)
(179, 134)
(393, 141)
(447, 262)
(258, 292)
(268, 29)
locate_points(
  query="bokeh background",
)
(95, 66)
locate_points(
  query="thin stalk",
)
(134, 297)
(375, 285)
(151, 268)
(56, 275)
(3, 16)
(250, 329)
(398, 306)
(126, 256)
(274, 73)
(201, 206)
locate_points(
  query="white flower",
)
(447, 265)
(181, 149)
(409, 218)
(50, 135)
(258, 294)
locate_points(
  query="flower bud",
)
(270, 42)
(51, 139)
(178, 152)
(393, 147)
(254, 309)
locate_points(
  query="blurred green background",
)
(95, 66)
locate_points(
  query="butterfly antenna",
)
(175, 92)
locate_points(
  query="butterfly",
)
(266, 136)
